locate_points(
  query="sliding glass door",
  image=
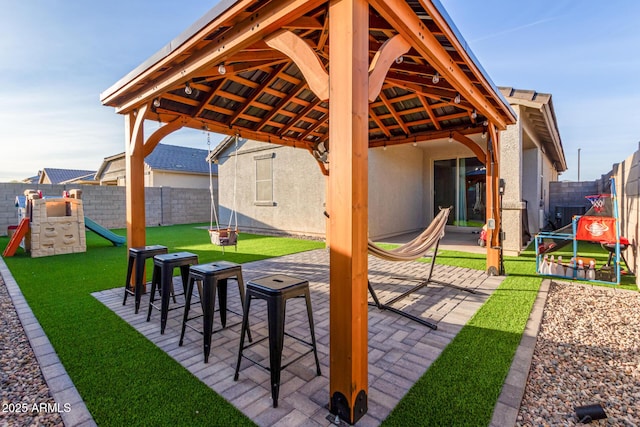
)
(460, 183)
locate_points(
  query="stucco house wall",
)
(297, 206)
(397, 191)
(155, 178)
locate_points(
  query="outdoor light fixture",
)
(222, 69)
(399, 59)
(457, 99)
(484, 134)
(156, 102)
(187, 89)
(436, 78)
(588, 413)
(450, 136)
(474, 114)
(415, 144)
(501, 186)
(384, 147)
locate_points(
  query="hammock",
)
(418, 247)
(425, 245)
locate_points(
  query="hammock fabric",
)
(418, 247)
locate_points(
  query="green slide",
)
(114, 238)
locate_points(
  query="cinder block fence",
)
(106, 204)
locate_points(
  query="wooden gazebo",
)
(340, 76)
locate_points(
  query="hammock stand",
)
(229, 236)
(425, 245)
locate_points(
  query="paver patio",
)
(400, 350)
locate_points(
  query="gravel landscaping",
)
(587, 352)
(24, 393)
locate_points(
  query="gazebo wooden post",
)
(134, 126)
(493, 210)
(348, 204)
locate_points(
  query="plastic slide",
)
(17, 237)
(114, 238)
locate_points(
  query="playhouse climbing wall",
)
(57, 226)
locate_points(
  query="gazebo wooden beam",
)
(305, 58)
(470, 144)
(401, 17)
(348, 204)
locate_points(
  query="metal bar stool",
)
(137, 259)
(163, 266)
(213, 276)
(276, 290)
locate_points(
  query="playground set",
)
(600, 224)
(53, 225)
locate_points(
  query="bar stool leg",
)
(208, 303)
(242, 296)
(307, 297)
(127, 284)
(276, 314)
(139, 267)
(222, 300)
(245, 327)
(167, 285)
(154, 284)
(187, 306)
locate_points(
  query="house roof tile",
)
(56, 176)
(175, 158)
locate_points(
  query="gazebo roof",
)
(260, 93)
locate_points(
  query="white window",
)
(264, 179)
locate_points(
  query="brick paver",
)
(400, 350)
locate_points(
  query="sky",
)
(57, 56)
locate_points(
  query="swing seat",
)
(224, 237)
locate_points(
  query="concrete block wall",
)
(107, 204)
(570, 194)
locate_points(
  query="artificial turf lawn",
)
(126, 380)
(123, 378)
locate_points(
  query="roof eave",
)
(471, 59)
(152, 62)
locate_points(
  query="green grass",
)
(127, 380)
(124, 378)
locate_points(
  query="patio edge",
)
(506, 410)
(55, 375)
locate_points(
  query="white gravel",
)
(23, 392)
(587, 352)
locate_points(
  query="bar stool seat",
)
(137, 258)
(213, 277)
(163, 266)
(276, 290)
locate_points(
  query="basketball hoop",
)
(597, 201)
